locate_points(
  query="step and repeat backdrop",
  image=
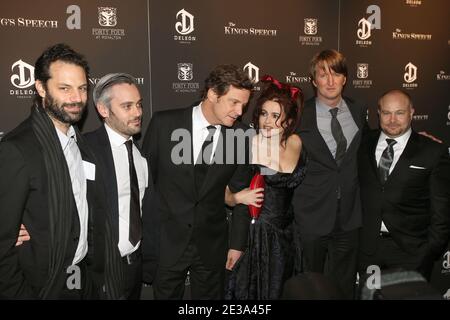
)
(112, 35)
(170, 47)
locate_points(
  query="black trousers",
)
(132, 268)
(206, 283)
(339, 250)
(390, 256)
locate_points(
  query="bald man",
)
(405, 192)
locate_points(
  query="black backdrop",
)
(170, 46)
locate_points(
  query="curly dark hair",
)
(57, 52)
(224, 76)
(291, 108)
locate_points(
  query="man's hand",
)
(233, 256)
(23, 235)
(428, 135)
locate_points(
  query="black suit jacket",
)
(100, 145)
(315, 200)
(24, 199)
(183, 212)
(414, 203)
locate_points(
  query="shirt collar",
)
(401, 140)
(65, 138)
(199, 121)
(115, 138)
(324, 108)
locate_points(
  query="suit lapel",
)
(107, 160)
(372, 145)
(219, 156)
(357, 118)
(188, 168)
(355, 113)
(408, 153)
(310, 131)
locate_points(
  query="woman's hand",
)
(23, 235)
(247, 196)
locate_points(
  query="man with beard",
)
(125, 173)
(47, 183)
(405, 193)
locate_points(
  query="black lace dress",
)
(269, 259)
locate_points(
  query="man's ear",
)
(103, 110)
(40, 88)
(212, 95)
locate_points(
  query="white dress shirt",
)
(120, 157)
(398, 150)
(79, 187)
(200, 132)
(398, 147)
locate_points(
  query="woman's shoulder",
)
(294, 143)
(292, 152)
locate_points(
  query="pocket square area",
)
(417, 167)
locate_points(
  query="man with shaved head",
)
(404, 179)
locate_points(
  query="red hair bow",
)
(294, 90)
(273, 80)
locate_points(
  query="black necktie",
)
(338, 135)
(135, 231)
(386, 160)
(203, 159)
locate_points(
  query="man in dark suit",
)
(405, 179)
(48, 184)
(189, 199)
(119, 103)
(326, 205)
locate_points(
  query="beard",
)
(56, 110)
(122, 126)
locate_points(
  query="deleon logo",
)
(446, 262)
(364, 29)
(25, 76)
(310, 26)
(372, 22)
(448, 123)
(362, 70)
(107, 16)
(186, 25)
(411, 73)
(185, 71)
(252, 71)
